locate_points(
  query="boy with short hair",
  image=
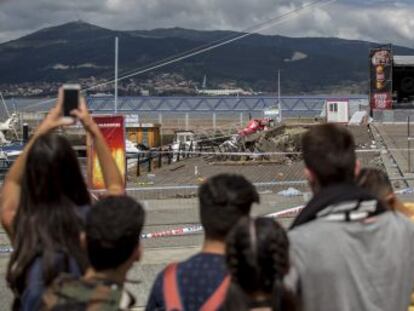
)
(112, 232)
(200, 283)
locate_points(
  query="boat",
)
(12, 150)
(8, 154)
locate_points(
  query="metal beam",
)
(214, 104)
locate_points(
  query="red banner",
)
(113, 130)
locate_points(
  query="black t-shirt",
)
(198, 278)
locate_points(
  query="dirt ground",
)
(285, 172)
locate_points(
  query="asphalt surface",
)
(172, 213)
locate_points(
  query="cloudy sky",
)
(374, 20)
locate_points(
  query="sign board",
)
(131, 119)
(381, 64)
(271, 112)
(113, 130)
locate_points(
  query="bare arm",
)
(10, 192)
(112, 177)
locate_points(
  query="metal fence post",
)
(190, 149)
(179, 151)
(170, 155)
(214, 122)
(138, 165)
(25, 133)
(409, 144)
(160, 158)
(149, 161)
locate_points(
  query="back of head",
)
(329, 153)
(375, 182)
(52, 171)
(224, 199)
(257, 256)
(112, 231)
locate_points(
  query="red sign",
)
(382, 101)
(113, 130)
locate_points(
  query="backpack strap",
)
(217, 298)
(172, 299)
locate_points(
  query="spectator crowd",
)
(350, 248)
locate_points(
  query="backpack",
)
(68, 293)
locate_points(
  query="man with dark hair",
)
(200, 283)
(112, 232)
(349, 251)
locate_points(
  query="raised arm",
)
(112, 177)
(10, 192)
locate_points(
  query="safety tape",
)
(288, 213)
(173, 232)
(189, 230)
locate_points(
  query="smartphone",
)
(71, 93)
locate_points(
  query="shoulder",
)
(156, 296)
(313, 240)
(303, 234)
(202, 259)
(401, 222)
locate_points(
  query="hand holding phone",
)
(71, 95)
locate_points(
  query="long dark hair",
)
(46, 223)
(375, 181)
(258, 259)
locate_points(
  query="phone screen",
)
(70, 101)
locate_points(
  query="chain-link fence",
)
(166, 180)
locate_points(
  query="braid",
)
(280, 250)
(232, 261)
(257, 256)
(282, 298)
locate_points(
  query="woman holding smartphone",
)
(44, 201)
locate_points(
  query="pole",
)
(4, 104)
(25, 133)
(214, 122)
(161, 128)
(278, 96)
(187, 121)
(409, 144)
(116, 75)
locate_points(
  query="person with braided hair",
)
(257, 257)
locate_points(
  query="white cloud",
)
(379, 20)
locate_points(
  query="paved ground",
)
(400, 150)
(285, 170)
(166, 211)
